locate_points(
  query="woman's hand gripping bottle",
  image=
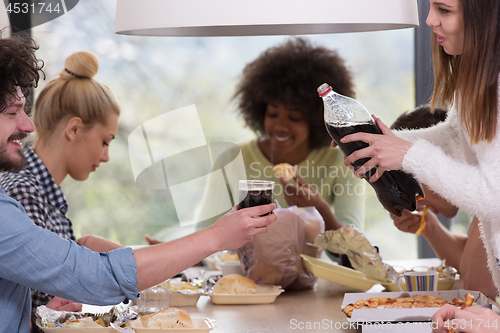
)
(395, 189)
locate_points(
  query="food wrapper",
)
(118, 315)
(274, 257)
(349, 240)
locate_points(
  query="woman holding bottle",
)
(460, 158)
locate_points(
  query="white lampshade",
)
(261, 17)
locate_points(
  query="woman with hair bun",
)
(76, 118)
(35, 258)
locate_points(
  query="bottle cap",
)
(324, 89)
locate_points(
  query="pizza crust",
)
(418, 301)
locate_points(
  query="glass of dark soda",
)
(255, 193)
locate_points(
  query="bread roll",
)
(285, 170)
(235, 284)
(168, 318)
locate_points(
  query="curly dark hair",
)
(18, 67)
(289, 74)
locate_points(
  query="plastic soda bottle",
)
(396, 190)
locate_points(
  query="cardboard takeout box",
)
(405, 315)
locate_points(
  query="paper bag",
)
(274, 257)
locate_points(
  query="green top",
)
(323, 169)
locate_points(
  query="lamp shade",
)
(261, 17)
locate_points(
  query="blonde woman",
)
(32, 257)
(76, 118)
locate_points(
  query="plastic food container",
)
(201, 325)
(77, 330)
(265, 295)
(182, 297)
(355, 279)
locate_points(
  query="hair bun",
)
(82, 64)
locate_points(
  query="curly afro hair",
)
(18, 67)
(289, 74)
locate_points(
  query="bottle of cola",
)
(396, 190)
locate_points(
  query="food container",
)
(105, 315)
(215, 260)
(406, 327)
(230, 267)
(405, 315)
(355, 279)
(201, 325)
(182, 297)
(78, 330)
(266, 294)
(338, 274)
(179, 299)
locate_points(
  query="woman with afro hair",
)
(277, 98)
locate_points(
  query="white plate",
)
(201, 325)
(266, 294)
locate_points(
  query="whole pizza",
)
(418, 301)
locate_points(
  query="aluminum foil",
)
(201, 284)
(349, 240)
(119, 314)
(194, 287)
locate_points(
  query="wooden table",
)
(293, 311)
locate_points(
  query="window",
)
(153, 75)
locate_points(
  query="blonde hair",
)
(73, 93)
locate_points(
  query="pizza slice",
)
(428, 301)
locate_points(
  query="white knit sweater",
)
(467, 176)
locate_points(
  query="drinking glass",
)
(154, 299)
(255, 193)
